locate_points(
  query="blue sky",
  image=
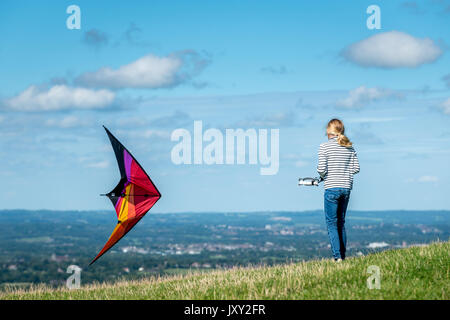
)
(145, 69)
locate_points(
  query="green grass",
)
(412, 273)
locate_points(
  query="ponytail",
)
(343, 140)
(336, 127)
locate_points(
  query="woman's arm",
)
(322, 166)
(355, 163)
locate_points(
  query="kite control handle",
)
(309, 181)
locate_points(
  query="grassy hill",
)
(412, 273)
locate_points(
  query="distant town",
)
(38, 246)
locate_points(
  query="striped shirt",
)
(337, 164)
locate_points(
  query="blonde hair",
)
(336, 127)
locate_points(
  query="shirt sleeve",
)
(355, 163)
(322, 167)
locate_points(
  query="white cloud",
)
(155, 133)
(362, 96)
(59, 97)
(424, 179)
(373, 119)
(66, 122)
(149, 71)
(274, 120)
(392, 49)
(146, 133)
(300, 164)
(98, 165)
(445, 106)
(90, 162)
(274, 70)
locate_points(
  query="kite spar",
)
(133, 196)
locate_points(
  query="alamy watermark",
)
(374, 20)
(74, 281)
(74, 20)
(374, 281)
(213, 147)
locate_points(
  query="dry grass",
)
(413, 273)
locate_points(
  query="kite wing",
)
(133, 196)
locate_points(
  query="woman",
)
(337, 165)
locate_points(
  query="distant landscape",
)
(38, 246)
(414, 273)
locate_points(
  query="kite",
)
(133, 196)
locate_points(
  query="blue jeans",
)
(335, 204)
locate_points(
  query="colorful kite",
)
(133, 196)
